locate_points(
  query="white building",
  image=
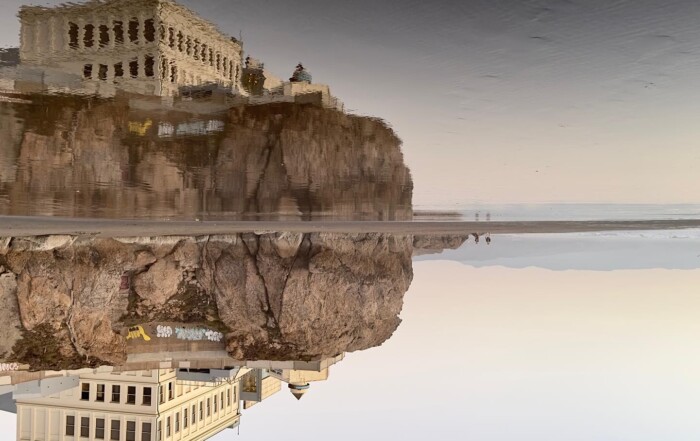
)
(130, 406)
(144, 46)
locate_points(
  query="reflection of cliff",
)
(274, 296)
(104, 159)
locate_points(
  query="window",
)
(148, 66)
(146, 396)
(131, 395)
(116, 389)
(225, 66)
(85, 427)
(222, 400)
(208, 406)
(73, 35)
(104, 35)
(161, 392)
(211, 57)
(201, 411)
(99, 428)
(118, 70)
(180, 41)
(218, 62)
(149, 30)
(102, 74)
(194, 415)
(184, 418)
(188, 45)
(100, 387)
(160, 430)
(131, 431)
(134, 30)
(118, 32)
(134, 68)
(171, 393)
(171, 38)
(89, 35)
(203, 55)
(145, 431)
(167, 427)
(196, 50)
(216, 403)
(85, 388)
(70, 425)
(87, 73)
(228, 397)
(115, 430)
(177, 422)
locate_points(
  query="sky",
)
(500, 101)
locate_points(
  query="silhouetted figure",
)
(476, 237)
(488, 239)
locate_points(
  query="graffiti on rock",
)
(164, 331)
(196, 334)
(5, 367)
(136, 332)
(190, 334)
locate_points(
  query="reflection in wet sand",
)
(82, 157)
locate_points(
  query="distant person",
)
(476, 237)
(488, 239)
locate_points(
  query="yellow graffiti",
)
(136, 332)
(140, 128)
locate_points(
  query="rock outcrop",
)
(275, 296)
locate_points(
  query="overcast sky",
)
(501, 100)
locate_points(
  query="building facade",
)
(147, 405)
(150, 47)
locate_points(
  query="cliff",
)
(92, 158)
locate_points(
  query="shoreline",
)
(16, 226)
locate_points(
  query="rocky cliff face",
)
(79, 157)
(276, 296)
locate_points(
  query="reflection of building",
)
(145, 46)
(138, 405)
(150, 405)
(149, 47)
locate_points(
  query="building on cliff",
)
(147, 47)
(138, 405)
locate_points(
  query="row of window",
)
(101, 34)
(115, 394)
(176, 40)
(118, 69)
(189, 415)
(113, 433)
(198, 51)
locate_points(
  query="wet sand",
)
(33, 226)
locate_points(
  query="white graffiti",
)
(9, 367)
(164, 331)
(197, 334)
(191, 334)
